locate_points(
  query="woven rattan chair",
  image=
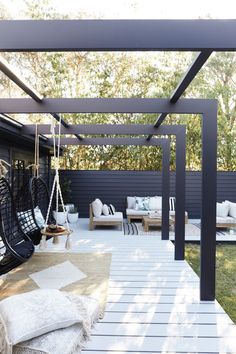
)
(15, 246)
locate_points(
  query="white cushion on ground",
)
(28, 315)
(130, 202)
(67, 340)
(227, 220)
(97, 208)
(105, 209)
(232, 210)
(155, 203)
(118, 216)
(222, 209)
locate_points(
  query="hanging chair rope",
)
(36, 163)
(56, 185)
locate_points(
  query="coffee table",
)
(147, 221)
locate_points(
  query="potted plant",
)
(66, 192)
(60, 216)
(73, 215)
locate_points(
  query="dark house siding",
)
(10, 151)
(113, 187)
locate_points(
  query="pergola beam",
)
(18, 80)
(108, 141)
(104, 105)
(6, 68)
(103, 129)
(184, 83)
(117, 35)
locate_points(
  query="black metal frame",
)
(137, 35)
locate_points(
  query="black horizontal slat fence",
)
(112, 187)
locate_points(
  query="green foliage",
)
(109, 74)
(73, 210)
(225, 274)
(65, 185)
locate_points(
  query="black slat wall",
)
(112, 187)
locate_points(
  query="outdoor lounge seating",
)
(98, 218)
(226, 214)
(135, 212)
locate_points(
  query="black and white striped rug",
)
(130, 228)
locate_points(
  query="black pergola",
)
(204, 36)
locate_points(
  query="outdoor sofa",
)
(137, 207)
(104, 215)
(226, 214)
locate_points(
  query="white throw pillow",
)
(105, 210)
(232, 209)
(39, 217)
(66, 340)
(131, 202)
(28, 315)
(222, 209)
(97, 208)
(155, 203)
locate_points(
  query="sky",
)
(139, 9)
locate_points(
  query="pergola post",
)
(165, 189)
(208, 217)
(180, 193)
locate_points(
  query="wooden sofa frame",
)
(93, 223)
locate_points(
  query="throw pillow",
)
(232, 210)
(97, 208)
(112, 209)
(26, 220)
(222, 209)
(39, 217)
(172, 203)
(105, 210)
(155, 203)
(32, 314)
(131, 202)
(142, 203)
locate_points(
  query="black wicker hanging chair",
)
(15, 246)
(34, 195)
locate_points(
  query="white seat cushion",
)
(118, 216)
(136, 212)
(227, 220)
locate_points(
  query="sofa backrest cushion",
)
(223, 209)
(232, 208)
(97, 208)
(130, 202)
(105, 210)
(155, 203)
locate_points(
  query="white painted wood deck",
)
(153, 302)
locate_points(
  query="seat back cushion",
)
(130, 202)
(97, 208)
(223, 209)
(155, 203)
